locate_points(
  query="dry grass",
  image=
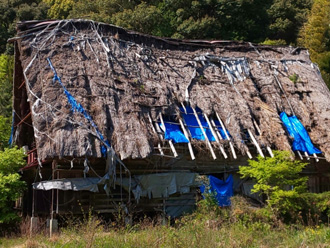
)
(240, 226)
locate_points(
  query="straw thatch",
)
(120, 76)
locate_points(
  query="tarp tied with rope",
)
(301, 140)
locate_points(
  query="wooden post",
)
(316, 158)
(227, 136)
(307, 156)
(203, 131)
(215, 136)
(153, 128)
(170, 141)
(192, 155)
(256, 143)
(270, 151)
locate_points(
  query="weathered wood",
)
(227, 136)
(256, 143)
(169, 141)
(192, 155)
(215, 136)
(203, 131)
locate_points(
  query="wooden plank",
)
(215, 135)
(227, 136)
(256, 144)
(192, 155)
(203, 131)
(175, 154)
(270, 151)
(154, 130)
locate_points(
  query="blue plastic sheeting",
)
(195, 131)
(301, 139)
(222, 190)
(174, 133)
(10, 142)
(75, 106)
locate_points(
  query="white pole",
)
(215, 136)
(227, 136)
(170, 141)
(192, 155)
(203, 131)
(256, 143)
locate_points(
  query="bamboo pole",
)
(256, 144)
(170, 141)
(215, 136)
(307, 156)
(192, 155)
(227, 136)
(270, 151)
(203, 131)
(316, 158)
(153, 128)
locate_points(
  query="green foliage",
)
(17, 10)
(6, 77)
(10, 190)
(4, 132)
(286, 18)
(278, 178)
(294, 77)
(59, 9)
(274, 42)
(315, 35)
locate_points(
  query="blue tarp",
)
(301, 139)
(173, 132)
(75, 106)
(195, 131)
(222, 190)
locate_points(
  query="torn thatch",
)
(120, 77)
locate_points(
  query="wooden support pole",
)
(215, 135)
(270, 151)
(307, 156)
(316, 158)
(256, 144)
(153, 128)
(227, 136)
(170, 141)
(203, 131)
(192, 155)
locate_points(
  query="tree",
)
(286, 18)
(17, 10)
(315, 36)
(278, 178)
(6, 86)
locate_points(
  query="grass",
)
(209, 226)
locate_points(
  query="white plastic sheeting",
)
(151, 185)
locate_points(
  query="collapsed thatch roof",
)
(120, 76)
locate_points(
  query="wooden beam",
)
(270, 151)
(215, 135)
(316, 158)
(203, 131)
(192, 155)
(154, 130)
(307, 155)
(256, 144)
(227, 136)
(170, 141)
(24, 119)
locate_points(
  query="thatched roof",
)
(119, 77)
